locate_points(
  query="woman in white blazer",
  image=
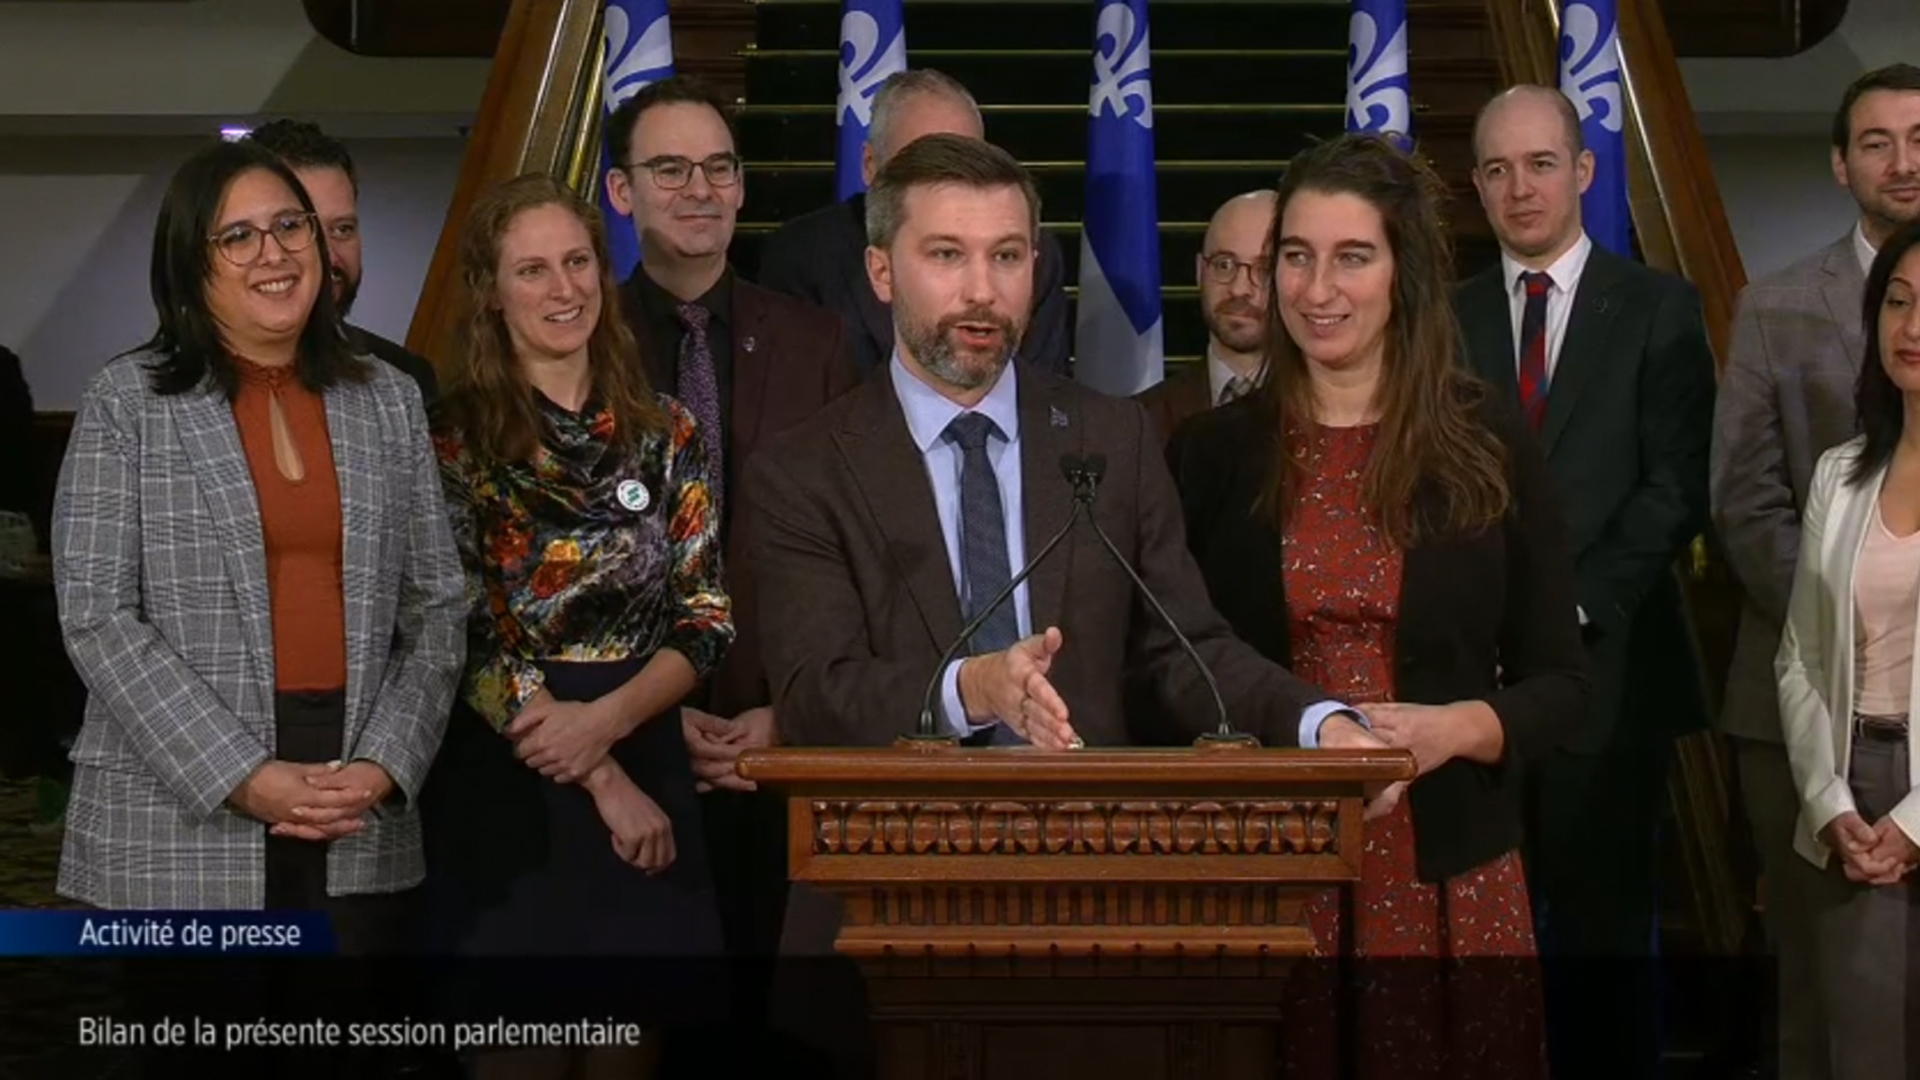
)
(1847, 683)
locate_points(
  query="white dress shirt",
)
(1565, 272)
(1864, 248)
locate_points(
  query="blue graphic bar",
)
(41, 933)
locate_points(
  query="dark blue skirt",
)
(518, 865)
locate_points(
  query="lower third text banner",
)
(42, 933)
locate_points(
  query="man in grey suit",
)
(1785, 398)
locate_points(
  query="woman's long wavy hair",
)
(493, 404)
(1428, 400)
(1881, 406)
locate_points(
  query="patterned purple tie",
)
(698, 388)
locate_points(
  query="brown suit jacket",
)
(1172, 400)
(857, 593)
(789, 359)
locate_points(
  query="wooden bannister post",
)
(531, 118)
(542, 112)
(1676, 201)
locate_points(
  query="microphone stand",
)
(1224, 735)
(927, 732)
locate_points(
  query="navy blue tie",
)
(984, 566)
(984, 569)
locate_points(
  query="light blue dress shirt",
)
(928, 413)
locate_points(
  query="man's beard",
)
(1232, 335)
(345, 291)
(1889, 215)
(935, 346)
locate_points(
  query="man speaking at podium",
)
(897, 514)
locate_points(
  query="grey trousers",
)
(1792, 884)
(1867, 941)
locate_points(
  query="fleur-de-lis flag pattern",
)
(639, 50)
(1590, 77)
(873, 46)
(1379, 97)
(1117, 345)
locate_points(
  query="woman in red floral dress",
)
(1380, 523)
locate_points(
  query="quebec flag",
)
(873, 46)
(1117, 345)
(1590, 77)
(1379, 89)
(639, 51)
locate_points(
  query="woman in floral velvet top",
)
(568, 572)
(563, 819)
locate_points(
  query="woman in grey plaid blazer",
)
(248, 513)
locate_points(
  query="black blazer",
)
(821, 257)
(20, 477)
(416, 367)
(1470, 606)
(1627, 435)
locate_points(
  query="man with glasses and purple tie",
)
(748, 363)
(1233, 270)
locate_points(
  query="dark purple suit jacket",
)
(789, 359)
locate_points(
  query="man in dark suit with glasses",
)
(749, 363)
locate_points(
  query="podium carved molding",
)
(1075, 827)
(1078, 906)
(1112, 912)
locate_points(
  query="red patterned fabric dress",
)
(1417, 1010)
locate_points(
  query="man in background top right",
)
(1610, 362)
(1786, 397)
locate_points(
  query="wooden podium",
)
(1111, 913)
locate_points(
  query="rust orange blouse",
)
(300, 524)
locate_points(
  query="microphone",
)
(1085, 474)
(928, 731)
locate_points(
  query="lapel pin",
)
(1056, 417)
(632, 495)
(746, 344)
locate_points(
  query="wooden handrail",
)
(542, 112)
(1524, 36)
(535, 115)
(1676, 200)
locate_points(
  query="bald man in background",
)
(1610, 361)
(821, 256)
(1233, 270)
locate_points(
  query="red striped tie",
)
(1533, 348)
